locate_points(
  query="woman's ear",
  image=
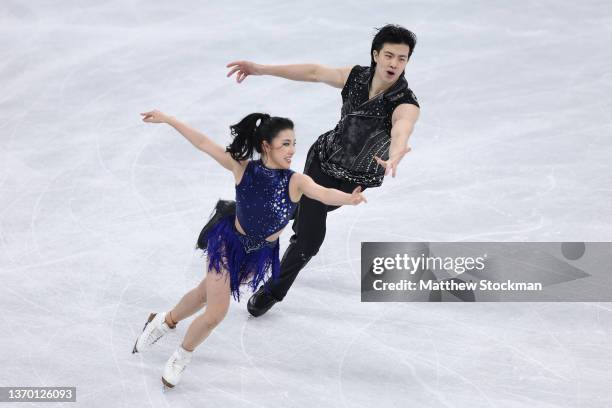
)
(375, 56)
(265, 147)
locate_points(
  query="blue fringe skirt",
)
(249, 261)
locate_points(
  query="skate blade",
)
(166, 385)
(149, 320)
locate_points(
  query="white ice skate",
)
(175, 366)
(154, 329)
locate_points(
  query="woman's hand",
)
(357, 197)
(243, 69)
(155, 116)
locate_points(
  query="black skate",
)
(260, 302)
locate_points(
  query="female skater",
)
(241, 238)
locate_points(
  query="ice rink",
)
(99, 212)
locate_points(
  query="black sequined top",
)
(364, 130)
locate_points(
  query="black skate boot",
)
(260, 302)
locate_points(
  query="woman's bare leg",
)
(190, 303)
(218, 299)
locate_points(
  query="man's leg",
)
(309, 233)
(309, 229)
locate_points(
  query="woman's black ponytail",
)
(251, 131)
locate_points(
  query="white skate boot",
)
(175, 366)
(154, 329)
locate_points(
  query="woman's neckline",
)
(266, 167)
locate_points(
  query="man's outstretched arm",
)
(335, 77)
(403, 121)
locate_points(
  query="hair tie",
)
(260, 121)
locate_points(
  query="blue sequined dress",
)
(263, 207)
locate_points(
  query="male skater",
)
(378, 114)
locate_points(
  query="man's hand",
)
(391, 164)
(155, 116)
(243, 69)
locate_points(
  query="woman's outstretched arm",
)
(306, 185)
(196, 138)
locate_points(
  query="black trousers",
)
(309, 227)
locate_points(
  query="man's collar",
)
(397, 86)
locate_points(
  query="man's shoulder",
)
(357, 78)
(360, 73)
(402, 94)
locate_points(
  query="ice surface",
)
(99, 212)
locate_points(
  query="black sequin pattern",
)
(364, 130)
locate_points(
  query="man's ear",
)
(375, 56)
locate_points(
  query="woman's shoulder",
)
(241, 171)
(246, 164)
(294, 176)
(295, 183)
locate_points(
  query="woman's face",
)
(281, 150)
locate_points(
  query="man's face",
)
(391, 61)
